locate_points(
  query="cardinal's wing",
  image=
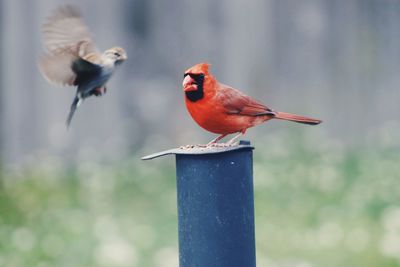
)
(238, 103)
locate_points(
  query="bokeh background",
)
(325, 196)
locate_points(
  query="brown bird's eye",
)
(117, 54)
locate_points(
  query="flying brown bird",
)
(71, 57)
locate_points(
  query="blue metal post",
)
(216, 207)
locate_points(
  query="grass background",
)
(318, 203)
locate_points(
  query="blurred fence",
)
(336, 60)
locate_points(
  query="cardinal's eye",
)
(198, 77)
(195, 75)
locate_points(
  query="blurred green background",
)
(325, 196)
(316, 203)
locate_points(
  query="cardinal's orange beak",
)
(189, 84)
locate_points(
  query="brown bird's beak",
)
(189, 84)
(121, 59)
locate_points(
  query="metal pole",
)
(215, 206)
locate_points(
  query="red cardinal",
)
(223, 110)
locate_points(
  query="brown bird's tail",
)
(296, 118)
(74, 106)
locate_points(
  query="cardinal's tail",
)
(75, 104)
(296, 118)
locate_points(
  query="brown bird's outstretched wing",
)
(66, 39)
(66, 28)
(238, 103)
